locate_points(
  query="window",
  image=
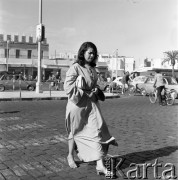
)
(29, 55)
(17, 53)
(150, 80)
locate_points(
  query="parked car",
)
(15, 82)
(103, 85)
(116, 85)
(118, 81)
(147, 86)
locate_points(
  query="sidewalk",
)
(45, 95)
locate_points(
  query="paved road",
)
(33, 139)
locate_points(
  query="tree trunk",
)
(173, 74)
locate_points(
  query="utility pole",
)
(116, 63)
(7, 56)
(124, 64)
(38, 84)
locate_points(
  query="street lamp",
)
(116, 62)
(38, 83)
(124, 64)
(7, 55)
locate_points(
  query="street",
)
(33, 139)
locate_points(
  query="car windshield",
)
(1, 78)
(140, 78)
(11, 77)
(150, 80)
(171, 80)
(6, 77)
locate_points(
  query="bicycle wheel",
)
(152, 97)
(131, 90)
(170, 99)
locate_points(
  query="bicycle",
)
(130, 90)
(168, 97)
(135, 90)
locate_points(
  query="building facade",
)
(118, 65)
(21, 55)
(152, 65)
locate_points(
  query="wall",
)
(23, 45)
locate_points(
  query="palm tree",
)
(171, 56)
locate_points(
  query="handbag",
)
(100, 95)
(80, 82)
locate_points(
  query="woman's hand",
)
(93, 96)
(95, 90)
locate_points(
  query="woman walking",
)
(87, 131)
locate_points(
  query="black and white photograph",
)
(88, 89)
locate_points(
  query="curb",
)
(34, 99)
(46, 98)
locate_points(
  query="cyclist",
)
(159, 85)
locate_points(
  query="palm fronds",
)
(171, 56)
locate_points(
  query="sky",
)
(137, 28)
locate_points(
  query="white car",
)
(138, 80)
(170, 84)
(118, 82)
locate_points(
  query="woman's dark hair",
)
(83, 48)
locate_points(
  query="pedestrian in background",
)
(132, 76)
(159, 85)
(57, 80)
(125, 82)
(49, 78)
(30, 77)
(109, 79)
(25, 77)
(88, 133)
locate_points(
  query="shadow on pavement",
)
(145, 156)
(8, 112)
(175, 104)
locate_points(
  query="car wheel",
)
(2, 88)
(31, 88)
(131, 90)
(143, 92)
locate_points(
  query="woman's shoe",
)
(71, 162)
(101, 171)
(104, 172)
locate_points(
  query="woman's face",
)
(89, 55)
